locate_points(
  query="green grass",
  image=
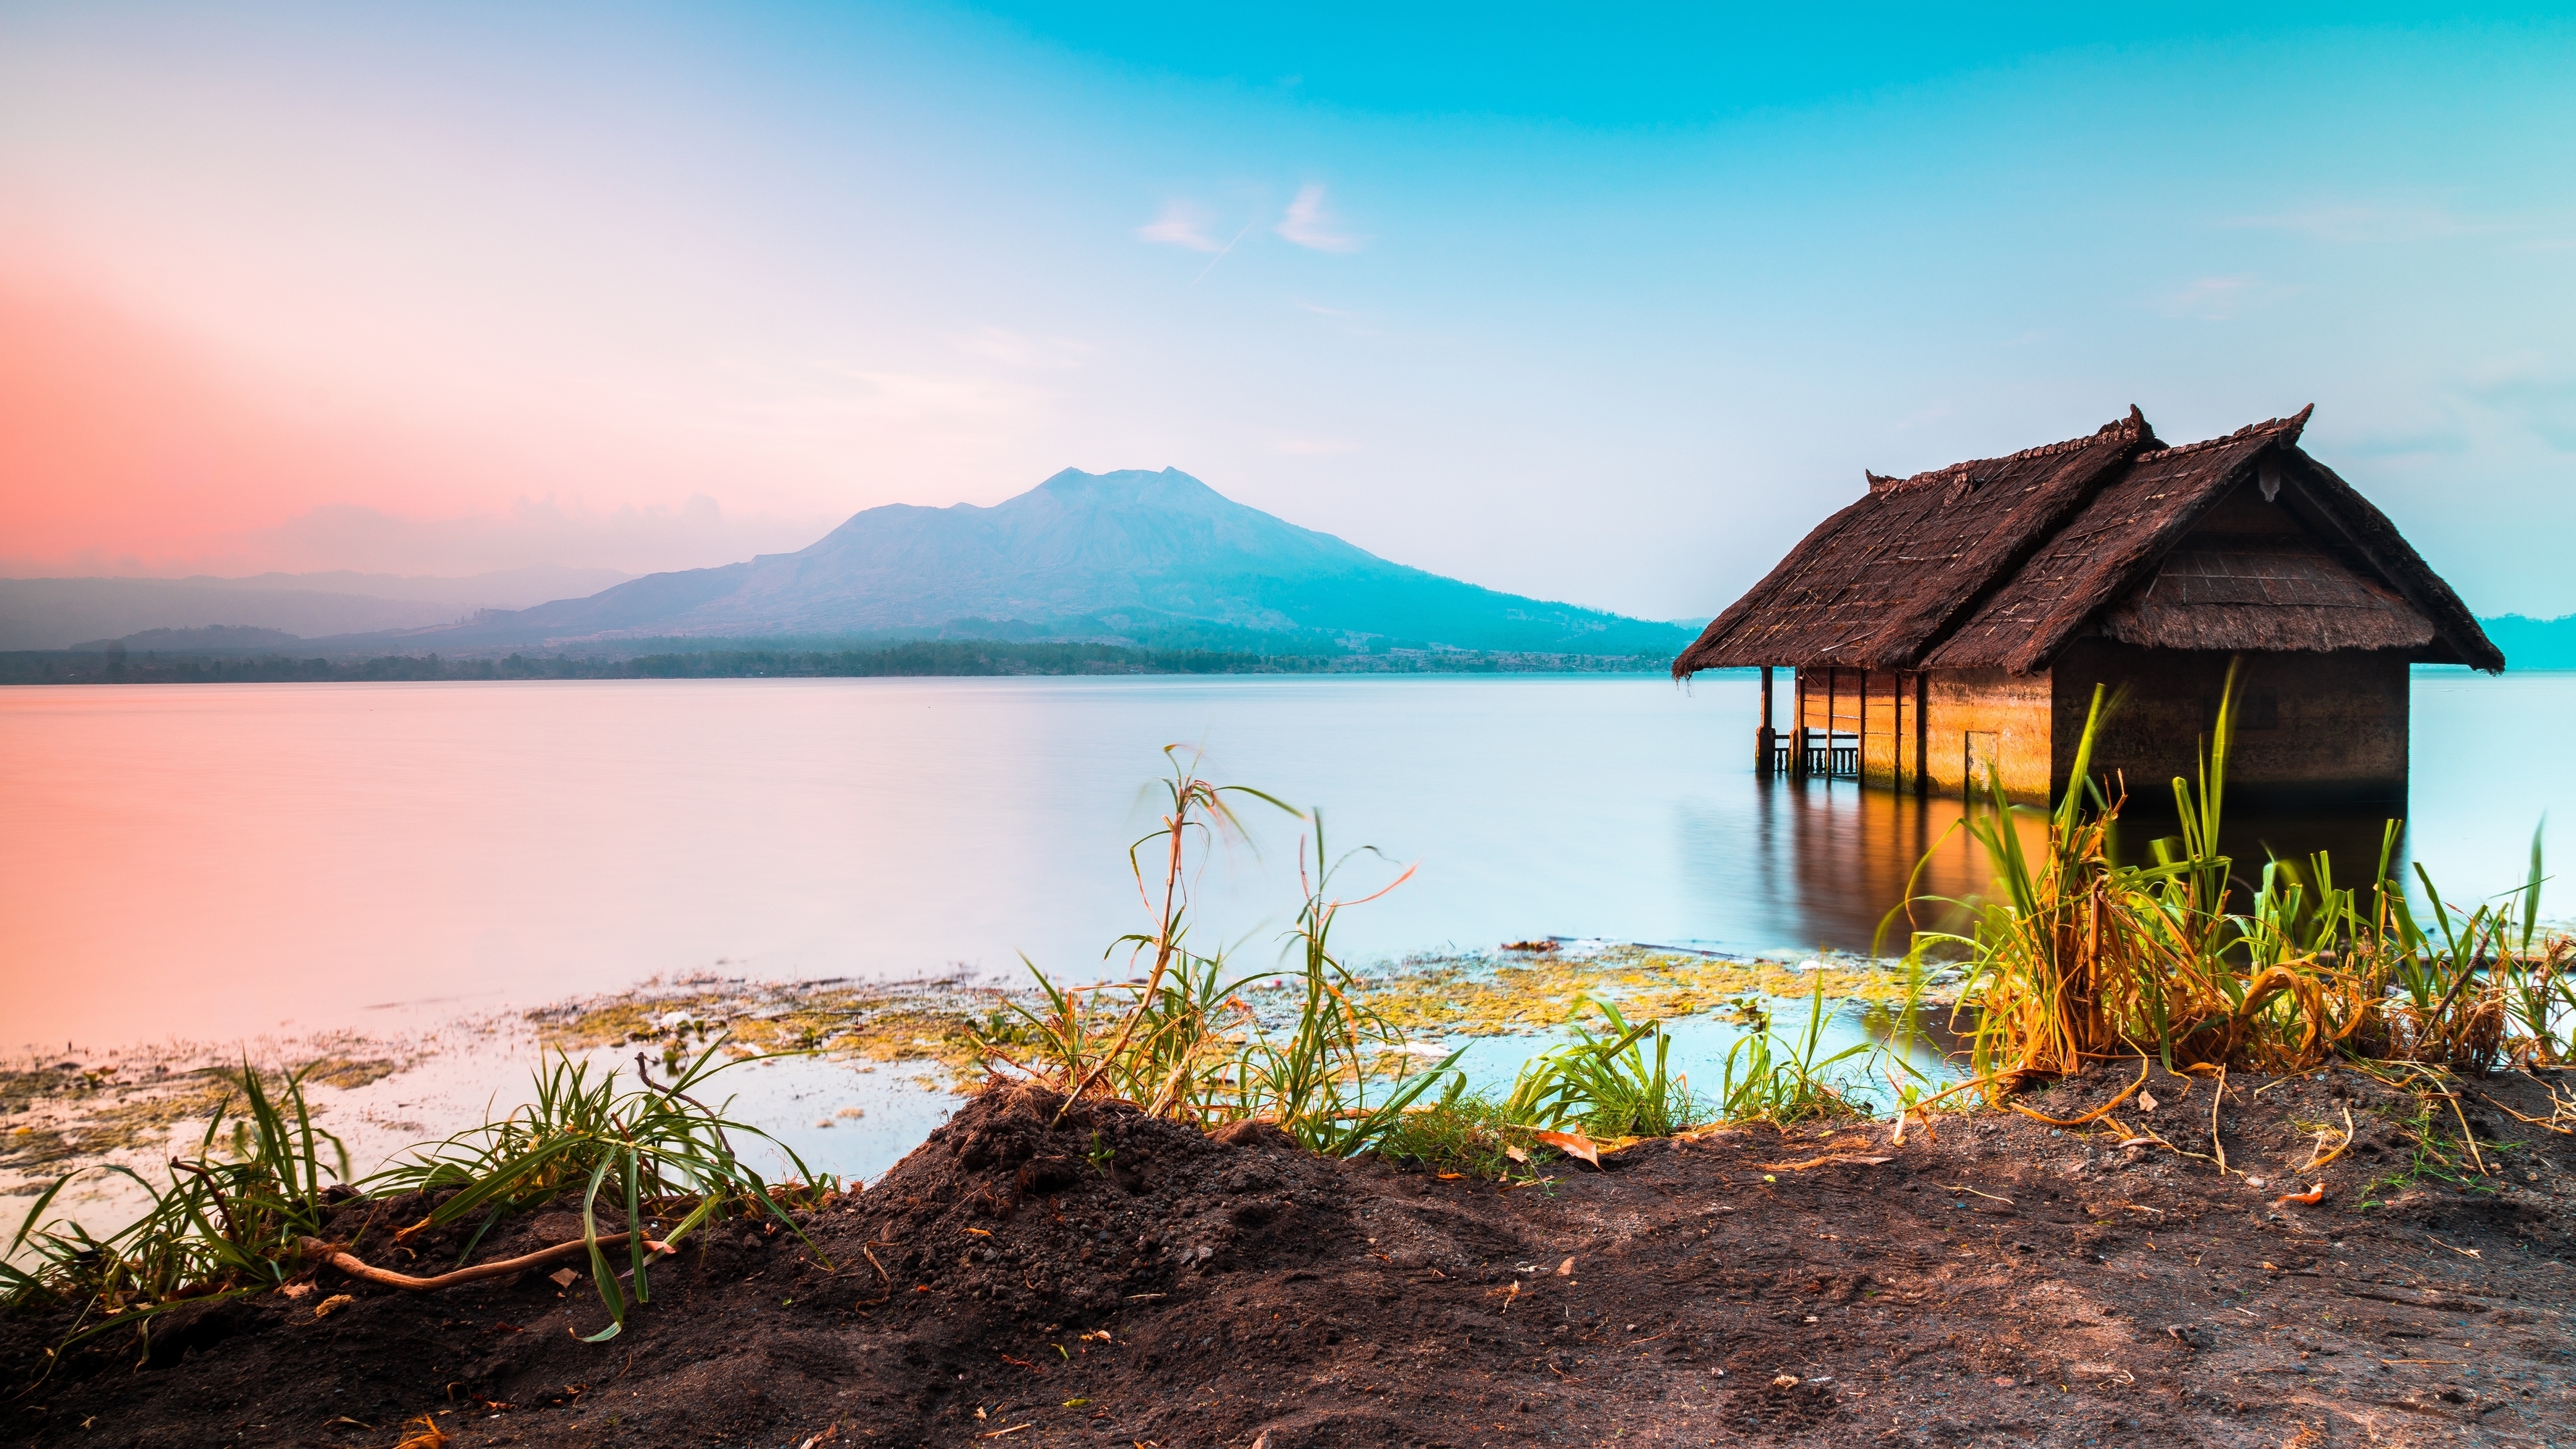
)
(1781, 1080)
(1464, 1133)
(651, 1157)
(1604, 1082)
(225, 1223)
(1181, 1041)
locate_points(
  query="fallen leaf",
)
(2147, 1102)
(1572, 1143)
(2311, 1196)
(1565, 1269)
(1451, 1176)
(1821, 1161)
(1516, 1155)
(1784, 1381)
(297, 1290)
(563, 1277)
(324, 1308)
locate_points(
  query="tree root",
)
(356, 1267)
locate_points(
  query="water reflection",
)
(220, 862)
(1830, 859)
(1826, 861)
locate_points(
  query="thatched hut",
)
(1956, 622)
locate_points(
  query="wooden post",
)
(1860, 732)
(1833, 697)
(1922, 741)
(1896, 735)
(1798, 723)
(1763, 738)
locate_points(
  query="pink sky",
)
(129, 447)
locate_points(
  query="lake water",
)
(216, 863)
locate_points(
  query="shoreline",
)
(898, 1055)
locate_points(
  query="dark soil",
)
(1114, 1280)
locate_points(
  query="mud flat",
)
(1098, 1277)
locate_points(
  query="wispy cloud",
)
(1307, 224)
(2214, 299)
(1181, 224)
(2355, 223)
(2533, 390)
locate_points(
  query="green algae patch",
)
(928, 1024)
(935, 1024)
(53, 1116)
(1513, 993)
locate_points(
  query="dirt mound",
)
(1037, 1276)
(1043, 1212)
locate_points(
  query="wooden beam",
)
(1764, 737)
(1833, 696)
(1922, 740)
(1860, 734)
(1798, 723)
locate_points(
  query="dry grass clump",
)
(2079, 957)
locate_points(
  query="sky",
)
(1604, 310)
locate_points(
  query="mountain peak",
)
(1123, 483)
(1085, 553)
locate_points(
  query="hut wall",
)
(2319, 728)
(1987, 713)
(1883, 755)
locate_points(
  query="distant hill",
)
(60, 613)
(212, 639)
(1131, 557)
(2534, 643)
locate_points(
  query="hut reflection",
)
(1824, 862)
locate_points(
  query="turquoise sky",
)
(1609, 311)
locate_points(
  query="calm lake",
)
(217, 862)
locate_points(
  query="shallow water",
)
(218, 863)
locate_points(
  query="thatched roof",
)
(2004, 561)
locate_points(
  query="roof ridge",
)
(2135, 424)
(2294, 424)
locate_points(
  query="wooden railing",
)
(1830, 755)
